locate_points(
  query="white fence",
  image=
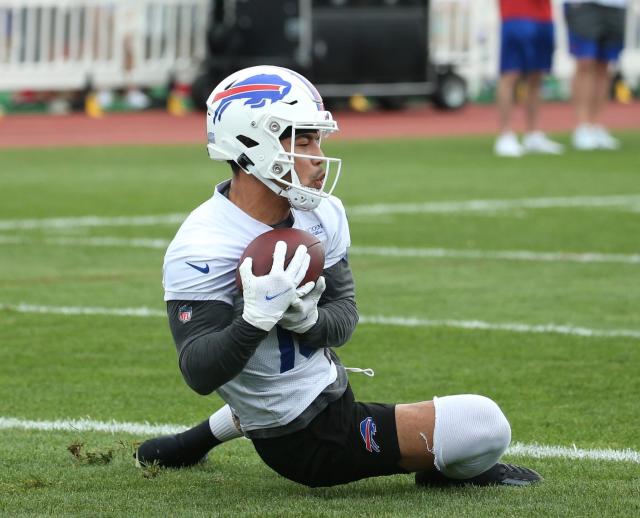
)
(65, 44)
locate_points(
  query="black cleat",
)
(500, 474)
(168, 451)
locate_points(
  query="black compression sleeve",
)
(213, 346)
(337, 310)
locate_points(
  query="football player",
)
(268, 351)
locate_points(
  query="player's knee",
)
(471, 433)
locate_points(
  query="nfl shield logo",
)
(184, 314)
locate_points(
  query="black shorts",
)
(596, 22)
(347, 441)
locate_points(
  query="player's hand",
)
(267, 297)
(302, 314)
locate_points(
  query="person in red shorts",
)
(527, 44)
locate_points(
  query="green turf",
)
(236, 483)
(556, 389)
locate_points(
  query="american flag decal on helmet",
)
(367, 431)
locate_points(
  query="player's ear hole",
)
(286, 133)
(248, 142)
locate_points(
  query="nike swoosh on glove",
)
(302, 314)
(267, 297)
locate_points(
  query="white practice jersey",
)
(283, 377)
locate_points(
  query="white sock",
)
(223, 426)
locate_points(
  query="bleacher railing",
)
(68, 44)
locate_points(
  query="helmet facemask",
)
(301, 196)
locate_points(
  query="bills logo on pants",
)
(367, 431)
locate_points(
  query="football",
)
(262, 247)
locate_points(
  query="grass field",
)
(529, 295)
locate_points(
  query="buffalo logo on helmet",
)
(367, 431)
(255, 91)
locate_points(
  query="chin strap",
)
(313, 200)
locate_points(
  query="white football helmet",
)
(249, 111)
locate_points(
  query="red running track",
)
(19, 131)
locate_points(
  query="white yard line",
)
(507, 255)
(91, 221)
(513, 327)
(472, 325)
(631, 202)
(88, 425)
(379, 251)
(160, 244)
(82, 310)
(540, 451)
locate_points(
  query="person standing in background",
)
(596, 38)
(526, 51)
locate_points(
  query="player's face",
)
(310, 170)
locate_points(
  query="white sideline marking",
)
(435, 253)
(88, 425)
(631, 202)
(364, 319)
